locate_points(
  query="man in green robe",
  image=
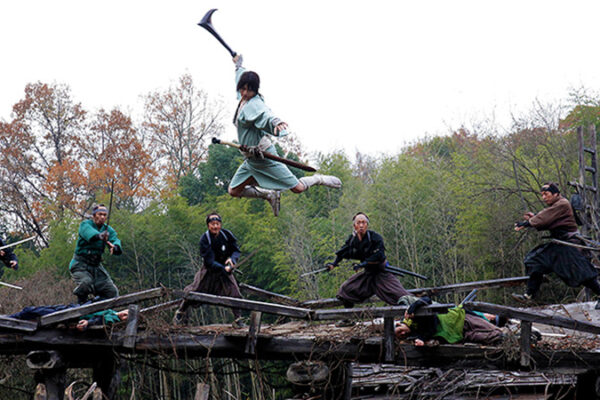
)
(259, 177)
(86, 269)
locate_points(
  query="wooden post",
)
(525, 344)
(54, 381)
(131, 329)
(107, 374)
(253, 331)
(202, 391)
(348, 381)
(388, 339)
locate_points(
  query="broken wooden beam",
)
(275, 297)
(131, 328)
(232, 302)
(377, 312)
(17, 324)
(525, 343)
(537, 316)
(77, 312)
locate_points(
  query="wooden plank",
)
(376, 312)
(253, 330)
(348, 374)
(537, 317)
(132, 324)
(73, 313)
(389, 338)
(431, 291)
(232, 302)
(275, 297)
(525, 344)
(468, 286)
(162, 306)
(17, 324)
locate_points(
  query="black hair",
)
(215, 217)
(250, 80)
(550, 187)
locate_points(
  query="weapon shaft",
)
(270, 156)
(16, 243)
(11, 286)
(316, 271)
(403, 271)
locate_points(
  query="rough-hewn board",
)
(538, 317)
(376, 312)
(120, 301)
(525, 343)
(269, 308)
(17, 324)
(132, 324)
(275, 297)
(162, 306)
(388, 339)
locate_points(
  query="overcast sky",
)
(351, 75)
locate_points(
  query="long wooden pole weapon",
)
(270, 156)
(11, 286)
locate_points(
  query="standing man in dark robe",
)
(367, 247)
(565, 261)
(8, 258)
(86, 266)
(220, 254)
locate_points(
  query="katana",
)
(207, 24)
(16, 243)
(316, 271)
(470, 297)
(268, 155)
(11, 286)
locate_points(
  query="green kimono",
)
(86, 268)
(254, 121)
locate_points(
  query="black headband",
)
(550, 187)
(212, 218)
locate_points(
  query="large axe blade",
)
(207, 24)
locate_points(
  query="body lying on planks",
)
(105, 317)
(454, 326)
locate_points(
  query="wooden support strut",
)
(132, 324)
(389, 339)
(377, 312)
(253, 331)
(525, 343)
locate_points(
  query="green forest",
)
(445, 206)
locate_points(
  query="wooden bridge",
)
(568, 351)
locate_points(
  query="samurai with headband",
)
(568, 262)
(86, 266)
(220, 254)
(367, 247)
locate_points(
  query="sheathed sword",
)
(268, 155)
